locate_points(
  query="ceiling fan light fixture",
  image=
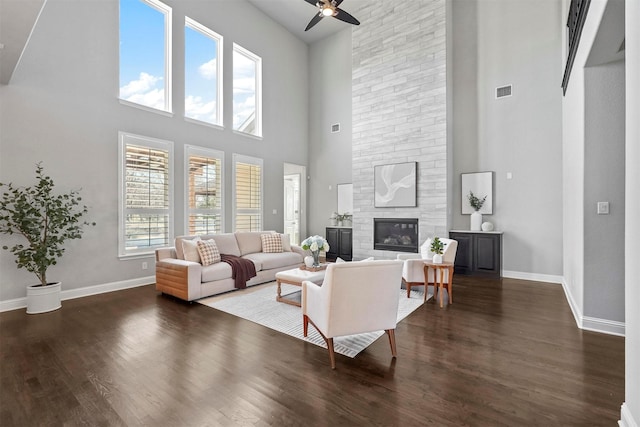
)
(327, 11)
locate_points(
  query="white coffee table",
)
(295, 277)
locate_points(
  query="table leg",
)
(450, 285)
(278, 296)
(440, 291)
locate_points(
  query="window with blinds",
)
(247, 193)
(204, 189)
(145, 220)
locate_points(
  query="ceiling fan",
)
(329, 8)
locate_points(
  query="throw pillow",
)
(208, 251)
(271, 243)
(286, 243)
(190, 250)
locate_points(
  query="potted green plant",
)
(45, 221)
(476, 217)
(437, 247)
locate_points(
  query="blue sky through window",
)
(201, 76)
(142, 54)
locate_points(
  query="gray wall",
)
(329, 103)
(61, 108)
(497, 43)
(604, 181)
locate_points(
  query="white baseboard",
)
(593, 324)
(548, 278)
(14, 304)
(626, 419)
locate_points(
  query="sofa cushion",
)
(227, 243)
(249, 241)
(271, 243)
(218, 271)
(270, 261)
(178, 245)
(190, 250)
(208, 251)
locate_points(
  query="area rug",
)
(260, 306)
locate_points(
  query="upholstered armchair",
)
(413, 269)
(354, 298)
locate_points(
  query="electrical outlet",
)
(144, 265)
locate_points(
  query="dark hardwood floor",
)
(507, 353)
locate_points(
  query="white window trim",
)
(258, 61)
(207, 32)
(168, 18)
(239, 158)
(124, 138)
(205, 152)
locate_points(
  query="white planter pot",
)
(41, 299)
(437, 259)
(476, 221)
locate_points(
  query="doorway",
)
(294, 202)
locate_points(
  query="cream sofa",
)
(189, 280)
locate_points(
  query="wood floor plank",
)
(507, 353)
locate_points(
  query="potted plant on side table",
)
(437, 248)
(46, 221)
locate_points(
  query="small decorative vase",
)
(487, 226)
(308, 261)
(339, 223)
(476, 221)
(437, 259)
(42, 299)
(316, 258)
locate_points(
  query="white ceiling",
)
(294, 15)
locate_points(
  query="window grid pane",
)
(248, 197)
(146, 186)
(202, 68)
(143, 78)
(205, 195)
(246, 87)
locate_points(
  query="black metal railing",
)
(577, 15)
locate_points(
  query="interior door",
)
(292, 207)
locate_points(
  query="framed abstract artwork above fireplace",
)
(395, 185)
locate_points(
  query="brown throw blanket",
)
(241, 269)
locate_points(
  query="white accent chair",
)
(354, 298)
(413, 269)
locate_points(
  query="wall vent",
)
(335, 128)
(503, 91)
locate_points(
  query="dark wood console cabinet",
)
(340, 241)
(479, 253)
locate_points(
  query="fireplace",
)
(395, 234)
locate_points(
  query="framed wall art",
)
(481, 184)
(395, 185)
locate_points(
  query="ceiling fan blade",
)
(313, 2)
(316, 18)
(338, 2)
(346, 17)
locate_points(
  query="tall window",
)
(146, 197)
(204, 189)
(145, 53)
(247, 91)
(202, 74)
(247, 192)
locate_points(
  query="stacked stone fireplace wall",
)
(399, 113)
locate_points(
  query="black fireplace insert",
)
(395, 234)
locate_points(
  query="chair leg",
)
(332, 355)
(305, 324)
(392, 341)
(408, 286)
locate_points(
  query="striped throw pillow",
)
(209, 253)
(271, 243)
